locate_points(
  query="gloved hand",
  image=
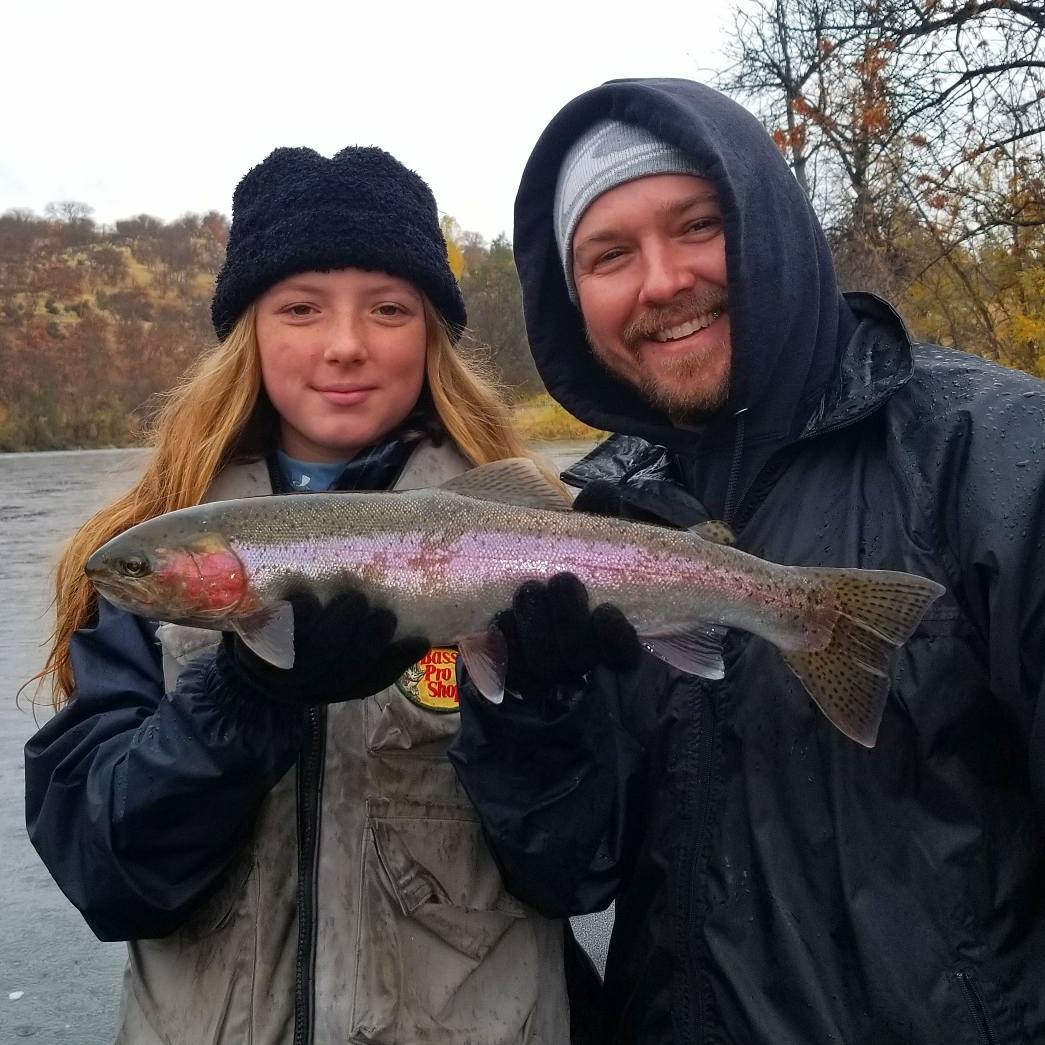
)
(342, 651)
(554, 638)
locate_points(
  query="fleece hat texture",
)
(300, 212)
(606, 155)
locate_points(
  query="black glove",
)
(342, 651)
(554, 639)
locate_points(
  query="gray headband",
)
(606, 155)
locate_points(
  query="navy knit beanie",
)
(301, 212)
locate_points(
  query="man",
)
(775, 882)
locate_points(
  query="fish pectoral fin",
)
(485, 658)
(269, 633)
(695, 649)
(514, 480)
(716, 531)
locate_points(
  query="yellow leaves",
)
(451, 236)
(541, 418)
(1028, 328)
(456, 258)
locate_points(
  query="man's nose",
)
(346, 341)
(664, 277)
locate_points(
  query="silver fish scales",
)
(446, 560)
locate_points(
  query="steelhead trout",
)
(445, 560)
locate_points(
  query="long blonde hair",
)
(219, 414)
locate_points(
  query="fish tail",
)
(877, 611)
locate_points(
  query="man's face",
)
(649, 263)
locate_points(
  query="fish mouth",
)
(123, 593)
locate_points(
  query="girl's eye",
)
(299, 310)
(390, 309)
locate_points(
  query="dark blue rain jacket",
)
(137, 800)
(776, 883)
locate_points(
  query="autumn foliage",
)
(918, 132)
(96, 321)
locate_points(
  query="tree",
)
(917, 127)
(68, 211)
(494, 300)
(891, 99)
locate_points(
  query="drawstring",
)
(734, 471)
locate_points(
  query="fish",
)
(446, 559)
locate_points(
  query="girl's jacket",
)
(283, 877)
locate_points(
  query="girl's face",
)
(342, 358)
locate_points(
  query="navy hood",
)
(788, 319)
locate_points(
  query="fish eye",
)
(134, 566)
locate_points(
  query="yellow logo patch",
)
(432, 682)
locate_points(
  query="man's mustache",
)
(662, 317)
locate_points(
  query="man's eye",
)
(704, 225)
(610, 255)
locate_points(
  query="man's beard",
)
(670, 390)
(670, 387)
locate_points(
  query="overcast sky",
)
(161, 108)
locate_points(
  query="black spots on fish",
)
(890, 603)
(848, 680)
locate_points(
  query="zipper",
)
(976, 1007)
(688, 921)
(310, 780)
(777, 464)
(707, 752)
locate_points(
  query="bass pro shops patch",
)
(432, 682)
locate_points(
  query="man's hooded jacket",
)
(776, 883)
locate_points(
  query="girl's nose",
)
(346, 342)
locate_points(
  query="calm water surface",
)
(57, 982)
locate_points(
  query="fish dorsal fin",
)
(716, 531)
(515, 480)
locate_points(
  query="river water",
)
(57, 982)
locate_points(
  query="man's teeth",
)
(685, 329)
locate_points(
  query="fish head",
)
(174, 573)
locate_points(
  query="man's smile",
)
(684, 330)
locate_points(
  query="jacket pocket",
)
(444, 952)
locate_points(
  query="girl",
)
(288, 853)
